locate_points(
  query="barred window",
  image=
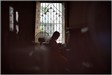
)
(50, 18)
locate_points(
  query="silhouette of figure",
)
(55, 55)
(53, 39)
(53, 52)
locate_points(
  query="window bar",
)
(45, 17)
(56, 18)
(59, 20)
(52, 19)
(42, 16)
(53, 16)
(58, 23)
(63, 22)
(48, 20)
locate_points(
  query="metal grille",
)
(51, 19)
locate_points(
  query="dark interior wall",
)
(94, 45)
(100, 30)
(78, 12)
(26, 22)
(13, 45)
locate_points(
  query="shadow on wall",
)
(90, 51)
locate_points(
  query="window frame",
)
(64, 18)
